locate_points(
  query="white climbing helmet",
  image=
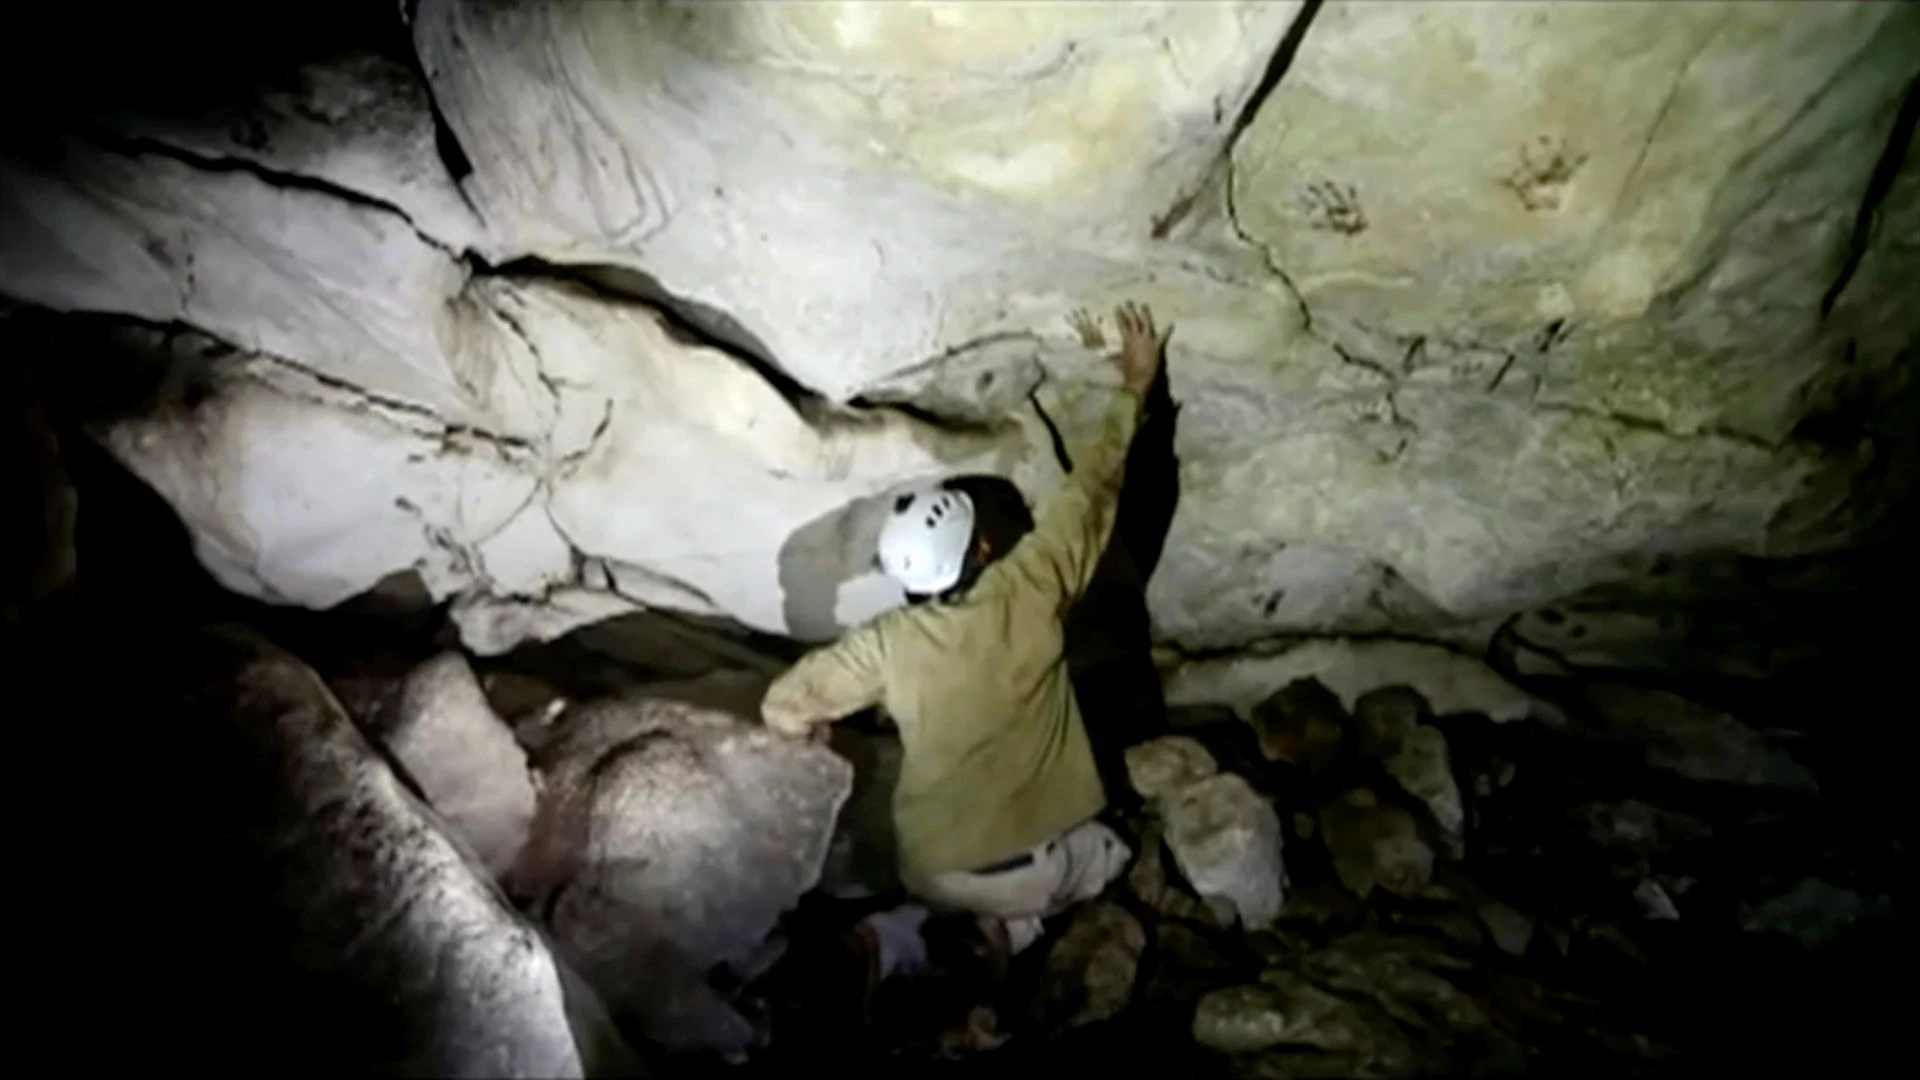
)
(923, 545)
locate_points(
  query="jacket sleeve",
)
(827, 684)
(1060, 554)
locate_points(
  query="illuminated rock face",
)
(1477, 306)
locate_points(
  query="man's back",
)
(997, 758)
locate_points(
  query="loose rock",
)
(464, 758)
(1090, 971)
(1449, 681)
(1655, 904)
(1813, 912)
(670, 839)
(1511, 928)
(1421, 766)
(1148, 879)
(1303, 724)
(1226, 840)
(1283, 1009)
(1642, 828)
(1375, 843)
(1167, 764)
(1383, 717)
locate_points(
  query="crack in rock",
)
(1648, 424)
(1395, 417)
(1892, 157)
(946, 355)
(361, 399)
(139, 145)
(566, 462)
(514, 325)
(1266, 255)
(1666, 106)
(1278, 64)
(685, 321)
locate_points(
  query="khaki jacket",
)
(996, 755)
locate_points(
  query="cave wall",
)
(576, 308)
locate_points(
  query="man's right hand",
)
(1140, 346)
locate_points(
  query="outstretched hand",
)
(1141, 346)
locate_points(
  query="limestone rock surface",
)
(1226, 840)
(670, 839)
(464, 758)
(1477, 307)
(385, 917)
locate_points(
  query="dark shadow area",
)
(820, 556)
(1109, 632)
(1884, 172)
(168, 942)
(62, 62)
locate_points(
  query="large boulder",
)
(669, 841)
(354, 934)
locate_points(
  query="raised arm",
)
(1072, 528)
(827, 684)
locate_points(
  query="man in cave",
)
(997, 803)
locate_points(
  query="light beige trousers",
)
(1076, 865)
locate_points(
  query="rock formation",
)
(1544, 386)
(579, 308)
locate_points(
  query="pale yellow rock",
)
(1492, 305)
(1433, 169)
(1161, 767)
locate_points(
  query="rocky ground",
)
(1462, 897)
(1633, 884)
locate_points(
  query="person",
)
(996, 805)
